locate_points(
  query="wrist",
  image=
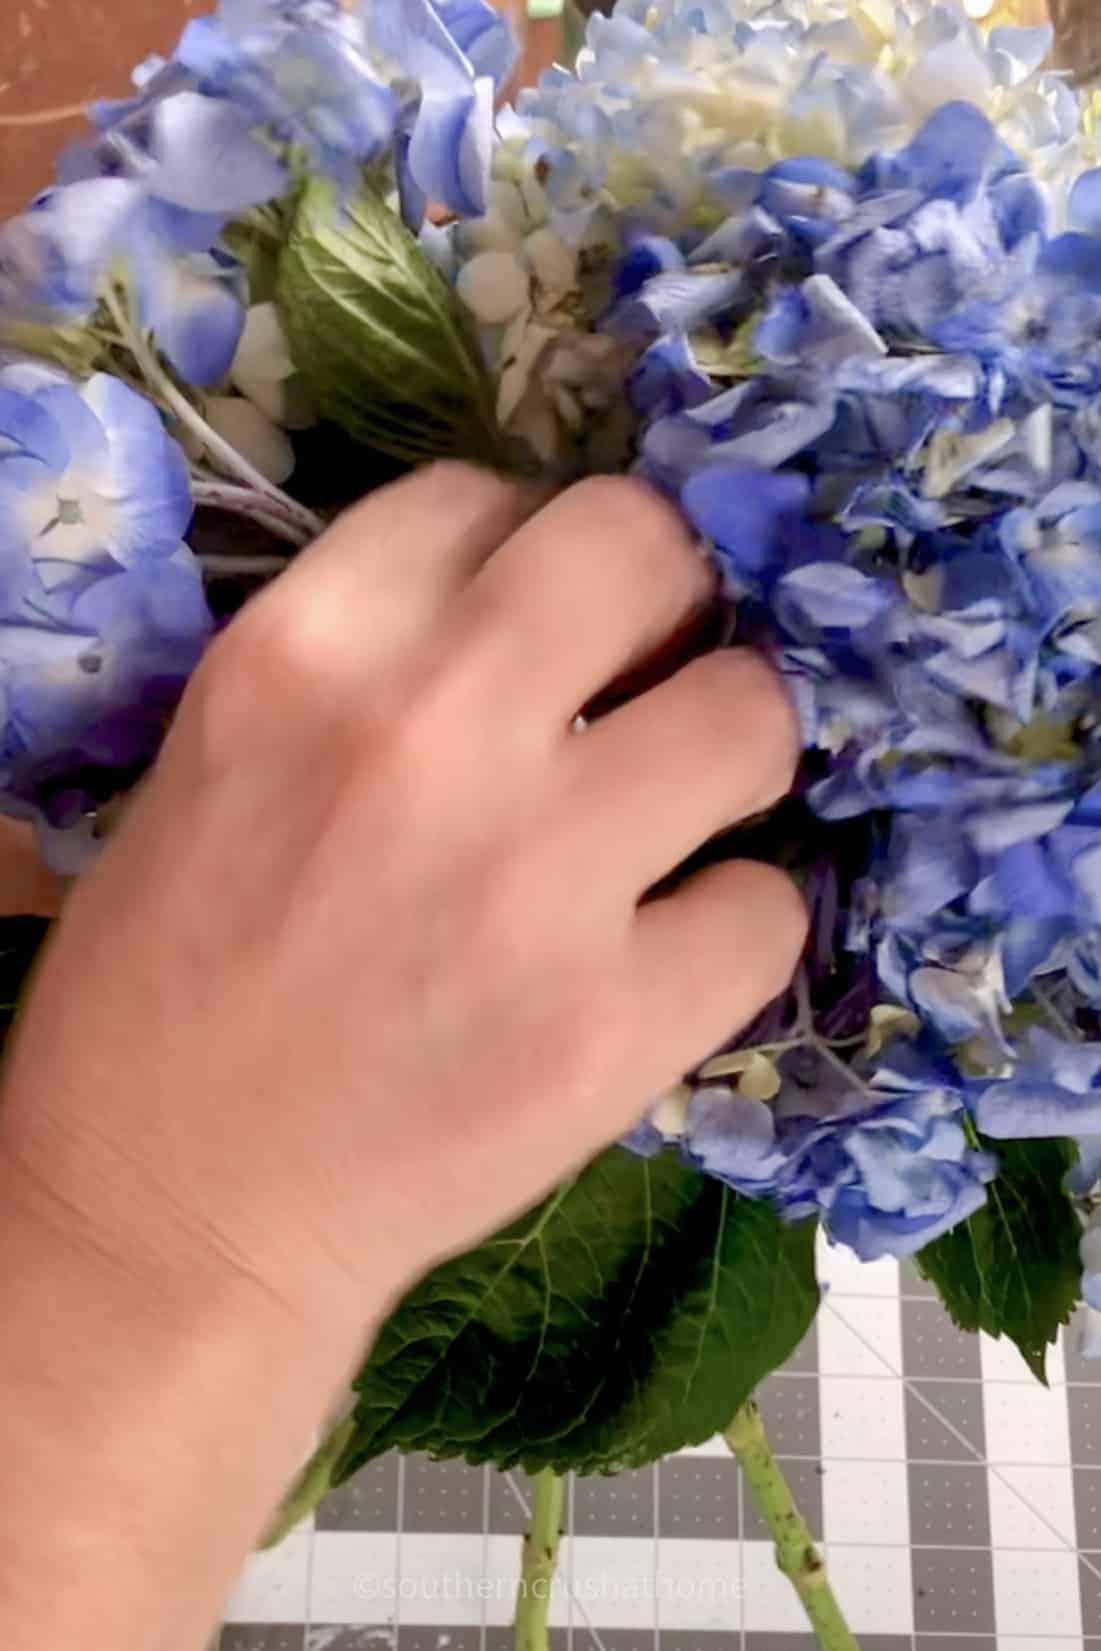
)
(150, 1420)
(140, 1190)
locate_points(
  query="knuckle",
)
(272, 643)
(269, 660)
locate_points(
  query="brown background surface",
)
(56, 52)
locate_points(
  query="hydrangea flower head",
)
(102, 612)
(849, 259)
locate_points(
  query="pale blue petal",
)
(1025, 1110)
(191, 305)
(678, 302)
(27, 431)
(668, 378)
(830, 596)
(54, 255)
(204, 158)
(733, 1139)
(416, 36)
(756, 424)
(744, 513)
(1028, 47)
(451, 145)
(482, 35)
(816, 325)
(950, 156)
(1075, 259)
(145, 478)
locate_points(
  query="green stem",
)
(314, 1482)
(221, 452)
(796, 1554)
(255, 507)
(540, 1562)
(263, 567)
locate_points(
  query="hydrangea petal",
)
(205, 159)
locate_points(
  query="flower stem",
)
(540, 1561)
(314, 1482)
(796, 1554)
(257, 507)
(267, 567)
(221, 452)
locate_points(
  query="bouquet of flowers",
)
(828, 272)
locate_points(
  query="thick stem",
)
(260, 508)
(221, 452)
(796, 1554)
(540, 1562)
(267, 567)
(314, 1482)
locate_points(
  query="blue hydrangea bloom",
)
(301, 70)
(872, 380)
(102, 611)
(891, 1173)
(886, 1164)
(345, 85)
(455, 54)
(735, 1139)
(187, 148)
(89, 674)
(1054, 1090)
(89, 478)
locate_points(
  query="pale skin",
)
(366, 969)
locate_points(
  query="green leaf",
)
(1013, 1269)
(77, 349)
(629, 1315)
(259, 257)
(378, 335)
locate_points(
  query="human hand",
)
(366, 968)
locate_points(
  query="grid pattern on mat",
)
(958, 1502)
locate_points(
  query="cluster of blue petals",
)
(102, 611)
(876, 391)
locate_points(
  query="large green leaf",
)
(629, 1315)
(377, 333)
(1013, 1269)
